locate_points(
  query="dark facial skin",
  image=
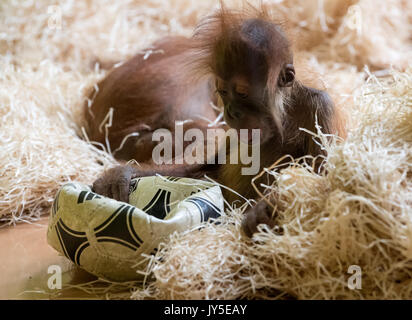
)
(244, 105)
(242, 72)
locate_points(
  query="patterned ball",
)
(107, 237)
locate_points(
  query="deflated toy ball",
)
(107, 237)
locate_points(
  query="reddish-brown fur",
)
(147, 94)
(249, 59)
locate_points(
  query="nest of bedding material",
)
(53, 52)
(359, 213)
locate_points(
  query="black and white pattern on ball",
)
(118, 228)
(55, 205)
(87, 196)
(112, 239)
(72, 242)
(207, 209)
(159, 205)
(133, 185)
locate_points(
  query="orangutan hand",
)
(115, 182)
(259, 214)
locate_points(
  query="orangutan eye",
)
(223, 93)
(242, 90)
(220, 88)
(242, 95)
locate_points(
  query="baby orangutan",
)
(245, 60)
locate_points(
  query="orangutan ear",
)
(287, 76)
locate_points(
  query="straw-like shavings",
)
(357, 213)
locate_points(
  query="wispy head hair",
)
(229, 41)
